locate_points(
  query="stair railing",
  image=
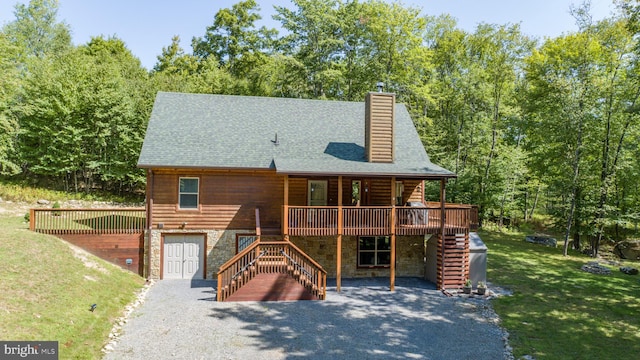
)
(238, 270)
(269, 257)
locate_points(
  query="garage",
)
(183, 257)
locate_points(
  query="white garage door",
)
(183, 256)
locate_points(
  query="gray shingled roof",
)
(314, 136)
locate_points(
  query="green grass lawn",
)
(558, 311)
(47, 292)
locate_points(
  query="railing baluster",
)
(272, 259)
(88, 221)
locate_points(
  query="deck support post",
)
(149, 220)
(339, 238)
(443, 183)
(285, 209)
(392, 227)
(32, 219)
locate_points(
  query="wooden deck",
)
(378, 220)
(272, 287)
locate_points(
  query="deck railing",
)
(313, 220)
(87, 221)
(376, 220)
(474, 219)
(366, 220)
(271, 257)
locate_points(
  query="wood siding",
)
(297, 191)
(227, 200)
(413, 191)
(379, 119)
(380, 192)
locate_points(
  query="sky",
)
(146, 26)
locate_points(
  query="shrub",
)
(56, 205)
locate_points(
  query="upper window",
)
(356, 185)
(374, 251)
(399, 193)
(317, 193)
(188, 193)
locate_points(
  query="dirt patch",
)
(83, 256)
(10, 208)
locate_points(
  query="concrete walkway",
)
(181, 320)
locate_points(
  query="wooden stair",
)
(272, 287)
(271, 271)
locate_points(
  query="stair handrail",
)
(320, 280)
(251, 263)
(306, 257)
(296, 264)
(238, 256)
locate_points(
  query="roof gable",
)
(313, 136)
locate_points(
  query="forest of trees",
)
(531, 126)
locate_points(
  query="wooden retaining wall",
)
(115, 235)
(115, 248)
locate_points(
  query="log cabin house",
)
(239, 185)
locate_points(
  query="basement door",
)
(183, 256)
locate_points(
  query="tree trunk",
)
(535, 201)
(574, 185)
(526, 199)
(576, 220)
(494, 138)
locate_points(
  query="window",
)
(317, 193)
(374, 251)
(188, 193)
(356, 185)
(243, 241)
(399, 193)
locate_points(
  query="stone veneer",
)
(221, 246)
(410, 252)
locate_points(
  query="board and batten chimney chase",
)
(379, 122)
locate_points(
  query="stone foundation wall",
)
(221, 246)
(410, 252)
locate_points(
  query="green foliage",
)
(24, 191)
(8, 88)
(56, 205)
(36, 30)
(233, 39)
(580, 88)
(528, 127)
(86, 125)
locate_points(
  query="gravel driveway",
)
(180, 319)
